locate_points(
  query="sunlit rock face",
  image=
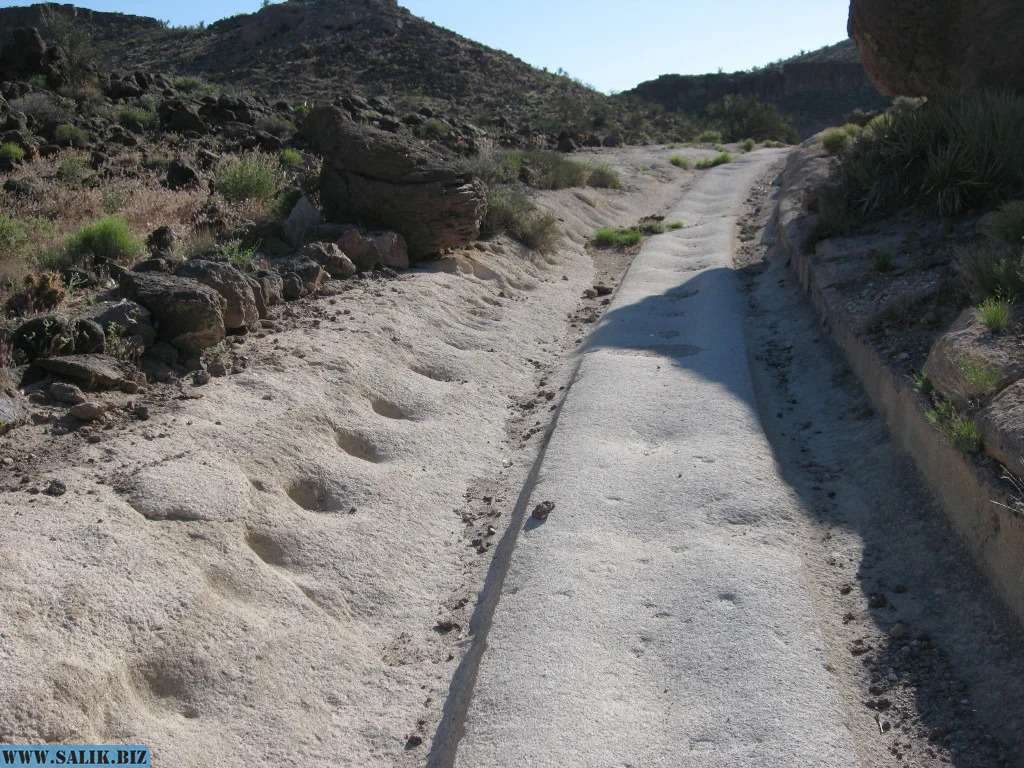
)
(914, 48)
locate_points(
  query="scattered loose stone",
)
(55, 488)
(542, 510)
(199, 378)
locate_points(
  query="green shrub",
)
(238, 254)
(949, 155)
(553, 170)
(131, 117)
(853, 130)
(739, 117)
(995, 313)
(68, 135)
(510, 212)
(672, 226)
(982, 378)
(651, 226)
(433, 130)
(14, 235)
(276, 126)
(290, 158)
(188, 84)
(748, 145)
(11, 151)
(835, 141)
(721, 158)
(73, 169)
(610, 237)
(603, 176)
(114, 200)
(961, 430)
(681, 162)
(494, 167)
(992, 270)
(252, 176)
(1007, 224)
(42, 108)
(108, 239)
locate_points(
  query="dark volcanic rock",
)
(395, 182)
(240, 311)
(187, 313)
(44, 336)
(912, 48)
(92, 371)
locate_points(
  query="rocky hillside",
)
(321, 49)
(815, 90)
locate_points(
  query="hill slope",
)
(320, 49)
(815, 89)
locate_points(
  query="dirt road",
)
(738, 569)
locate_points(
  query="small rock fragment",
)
(542, 510)
(55, 488)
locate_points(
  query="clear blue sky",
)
(611, 44)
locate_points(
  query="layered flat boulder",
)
(392, 181)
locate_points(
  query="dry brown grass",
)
(57, 209)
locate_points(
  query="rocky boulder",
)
(970, 363)
(44, 336)
(1001, 424)
(367, 250)
(187, 313)
(392, 181)
(330, 257)
(93, 371)
(240, 311)
(913, 48)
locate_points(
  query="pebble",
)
(542, 510)
(199, 378)
(55, 488)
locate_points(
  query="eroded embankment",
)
(275, 566)
(969, 493)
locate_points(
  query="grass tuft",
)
(252, 176)
(1006, 225)
(107, 239)
(709, 137)
(68, 135)
(603, 176)
(290, 158)
(995, 313)
(611, 237)
(681, 162)
(511, 212)
(721, 158)
(11, 151)
(961, 430)
(835, 141)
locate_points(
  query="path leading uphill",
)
(692, 600)
(659, 617)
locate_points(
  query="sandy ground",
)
(278, 566)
